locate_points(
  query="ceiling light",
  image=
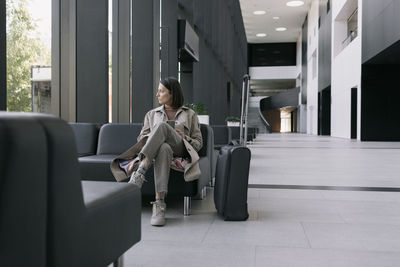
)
(275, 17)
(280, 29)
(259, 12)
(261, 34)
(295, 3)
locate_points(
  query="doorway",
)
(324, 111)
(353, 134)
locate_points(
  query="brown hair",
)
(173, 86)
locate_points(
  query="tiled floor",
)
(291, 227)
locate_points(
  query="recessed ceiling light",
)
(261, 34)
(280, 29)
(295, 3)
(259, 12)
(275, 17)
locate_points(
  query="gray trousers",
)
(163, 143)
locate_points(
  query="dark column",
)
(92, 61)
(121, 61)
(380, 120)
(169, 38)
(63, 59)
(353, 133)
(187, 81)
(143, 75)
(3, 56)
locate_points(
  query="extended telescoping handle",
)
(244, 109)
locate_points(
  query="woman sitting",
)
(171, 137)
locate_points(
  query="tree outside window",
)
(24, 50)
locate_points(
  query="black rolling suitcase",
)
(231, 183)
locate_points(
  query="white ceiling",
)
(291, 18)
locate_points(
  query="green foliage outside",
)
(199, 108)
(24, 49)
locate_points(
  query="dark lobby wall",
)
(92, 61)
(223, 55)
(380, 26)
(380, 119)
(272, 54)
(324, 46)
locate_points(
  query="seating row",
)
(98, 146)
(49, 217)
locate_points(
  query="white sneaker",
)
(158, 217)
(137, 179)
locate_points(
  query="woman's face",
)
(164, 96)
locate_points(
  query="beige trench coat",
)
(187, 121)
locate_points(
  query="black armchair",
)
(47, 213)
(112, 140)
(23, 191)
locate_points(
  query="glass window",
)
(352, 26)
(28, 37)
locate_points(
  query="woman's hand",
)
(180, 133)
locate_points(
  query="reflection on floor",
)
(291, 227)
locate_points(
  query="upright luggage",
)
(231, 183)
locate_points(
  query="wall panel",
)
(3, 56)
(92, 61)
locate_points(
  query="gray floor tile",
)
(165, 254)
(178, 227)
(290, 227)
(366, 207)
(302, 159)
(289, 194)
(297, 257)
(369, 237)
(288, 234)
(293, 205)
(362, 196)
(368, 218)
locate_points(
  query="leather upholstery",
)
(86, 138)
(48, 216)
(115, 138)
(104, 231)
(96, 167)
(23, 191)
(222, 135)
